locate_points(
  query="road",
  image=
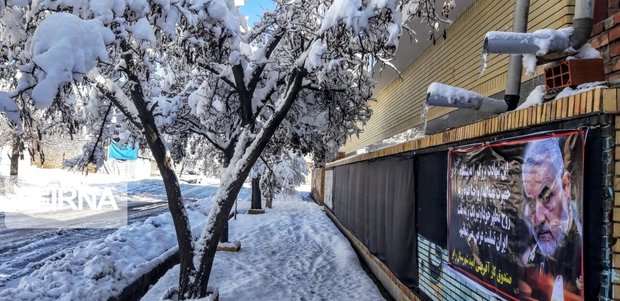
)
(24, 250)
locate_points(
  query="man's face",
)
(547, 198)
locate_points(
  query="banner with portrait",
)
(514, 215)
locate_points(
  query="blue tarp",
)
(126, 153)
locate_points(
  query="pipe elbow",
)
(583, 29)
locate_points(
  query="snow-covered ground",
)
(24, 251)
(293, 252)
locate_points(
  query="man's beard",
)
(549, 240)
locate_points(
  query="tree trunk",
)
(14, 169)
(256, 195)
(17, 144)
(269, 199)
(228, 154)
(227, 194)
(269, 189)
(224, 236)
(171, 182)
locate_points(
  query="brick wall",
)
(606, 39)
(613, 6)
(614, 241)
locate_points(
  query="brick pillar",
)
(610, 252)
(606, 39)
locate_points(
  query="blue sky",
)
(254, 9)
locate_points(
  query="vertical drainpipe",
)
(513, 83)
(582, 23)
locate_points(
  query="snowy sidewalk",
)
(293, 252)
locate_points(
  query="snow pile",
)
(568, 91)
(586, 52)
(535, 98)
(8, 106)
(25, 250)
(100, 269)
(142, 30)
(293, 252)
(64, 44)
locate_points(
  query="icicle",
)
(424, 117)
(485, 59)
(530, 64)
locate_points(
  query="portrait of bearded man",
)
(552, 262)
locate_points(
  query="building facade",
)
(451, 215)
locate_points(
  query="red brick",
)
(613, 19)
(597, 28)
(608, 23)
(613, 77)
(614, 49)
(614, 33)
(605, 52)
(600, 40)
(613, 11)
(613, 65)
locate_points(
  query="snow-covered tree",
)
(278, 173)
(164, 68)
(5, 132)
(193, 153)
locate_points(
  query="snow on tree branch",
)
(65, 46)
